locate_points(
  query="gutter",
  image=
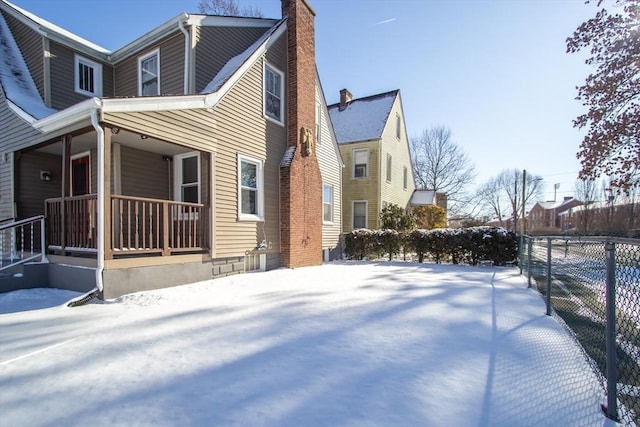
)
(187, 55)
(101, 203)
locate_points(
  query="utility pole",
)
(524, 186)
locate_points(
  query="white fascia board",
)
(213, 98)
(49, 30)
(229, 21)
(67, 117)
(20, 112)
(154, 103)
(151, 37)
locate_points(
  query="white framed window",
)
(398, 126)
(250, 188)
(273, 94)
(389, 163)
(359, 214)
(327, 203)
(187, 177)
(87, 77)
(318, 122)
(405, 174)
(149, 74)
(361, 163)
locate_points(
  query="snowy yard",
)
(344, 344)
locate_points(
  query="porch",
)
(138, 227)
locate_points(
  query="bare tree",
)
(442, 165)
(503, 194)
(586, 190)
(227, 8)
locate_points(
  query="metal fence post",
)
(548, 296)
(610, 294)
(521, 253)
(529, 262)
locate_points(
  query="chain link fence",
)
(593, 286)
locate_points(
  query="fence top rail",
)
(72, 198)
(144, 199)
(586, 239)
(21, 222)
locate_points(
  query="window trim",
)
(398, 126)
(177, 175)
(97, 76)
(259, 216)
(389, 167)
(155, 52)
(353, 158)
(273, 69)
(331, 204)
(353, 212)
(405, 177)
(318, 122)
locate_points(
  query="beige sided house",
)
(192, 152)
(373, 142)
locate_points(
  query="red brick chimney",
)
(300, 180)
(345, 98)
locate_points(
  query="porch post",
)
(106, 170)
(66, 162)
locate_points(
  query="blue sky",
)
(494, 71)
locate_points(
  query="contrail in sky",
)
(385, 22)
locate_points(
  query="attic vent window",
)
(273, 94)
(88, 77)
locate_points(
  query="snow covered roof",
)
(41, 25)
(558, 204)
(363, 119)
(423, 197)
(16, 81)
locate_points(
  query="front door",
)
(80, 176)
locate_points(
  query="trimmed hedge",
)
(467, 245)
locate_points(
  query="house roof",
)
(363, 119)
(24, 98)
(557, 204)
(15, 79)
(423, 197)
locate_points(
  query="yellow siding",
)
(243, 129)
(361, 188)
(190, 128)
(331, 171)
(393, 191)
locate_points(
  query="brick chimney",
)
(345, 98)
(300, 180)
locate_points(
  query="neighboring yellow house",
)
(373, 141)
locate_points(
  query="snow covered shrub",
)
(388, 241)
(359, 243)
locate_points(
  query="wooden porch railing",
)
(139, 226)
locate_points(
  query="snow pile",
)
(15, 78)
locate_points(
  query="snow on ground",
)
(343, 344)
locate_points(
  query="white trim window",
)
(273, 94)
(405, 174)
(327, 203)
(361, 163)
(187, 177)
(359, 209)
(250, 188)
(149, 74)
(389, 164)
(87, 77)
(318, 122)
(398, 126)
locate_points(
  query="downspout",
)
(101, 206)
(187, 50)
